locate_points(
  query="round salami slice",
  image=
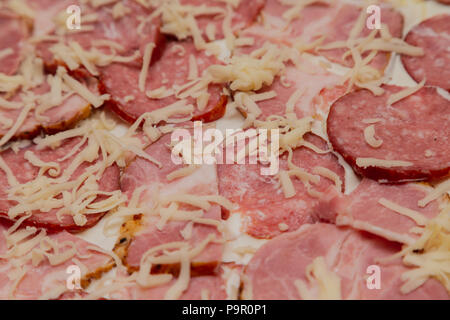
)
(339, 30)
(44, 13)
(405, 141)
(25, 172)
(141, 235)
(283, 265)
(266, 211)
(60, 117)
(327, 22)
(433, 36)
(167, 74)
(47, 279)
(109, 32)
(13, 33)
(242, 15)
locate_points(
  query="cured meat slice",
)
(277, 266)
(170, 72)
(306, 79)
(433, 36)
(341, 27)
(125, 287)
(61, 116)
(144, 234)
(72, 295)
(213, 13)
(267, 213)
(25, 172)
(45, 12)
(48, 278)
(204, 287)
(367, 209)
(330, 21)
(14, 32)
(107, 30)
(309, 83)
(414, 131)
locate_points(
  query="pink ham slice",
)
(202, 182)
(272, 272)
(24, 172)
(44, 278)
(333, 21)
(433, 36)
(58, 118)
(261, 200)
(415, 129)
(307, 76)
(72, 295)
(13, 33)
(362, 210)
(213, 286)
(172, 69)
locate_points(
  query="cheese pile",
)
(429, 256)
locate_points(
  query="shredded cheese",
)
(416, 216)
(372, 162)
(329, 283)
(405, 93)
(369, 136)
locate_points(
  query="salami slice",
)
(168, 73)
(282, 262)
(45, 12)
(109, 32)
(141, 235)
(266, 211)
(433, 36)
(59, 117)
(25, 172)
(13, 34)
(328, 22)
(414, 131)
(49, 279)
(341, 26)
(215, 12)
(389, 211)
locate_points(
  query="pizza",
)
(225, 149)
